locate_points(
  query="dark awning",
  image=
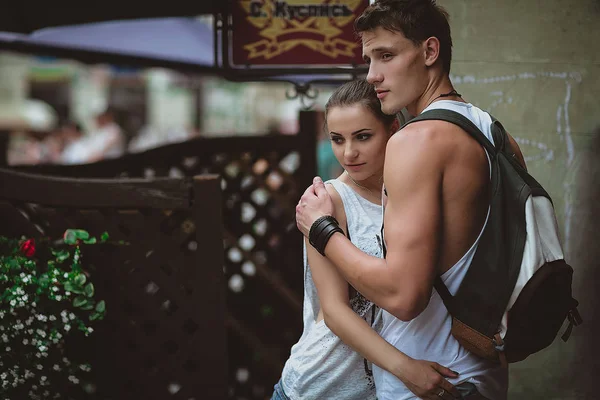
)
(168, 35)
(181, 43)
(26, 16)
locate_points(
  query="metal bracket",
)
(305, 92)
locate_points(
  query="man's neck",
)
(440, 89)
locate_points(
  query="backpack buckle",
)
(498, 343)
(499, 346)
(574, 320)
(575, 317)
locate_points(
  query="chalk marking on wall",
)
(570, 157)
(573, 76)
(545, 153)
(568, 137)
(496, 102)
(559, 114)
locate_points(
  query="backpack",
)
(516, 293)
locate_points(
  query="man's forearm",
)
(367, 274)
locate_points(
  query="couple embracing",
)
(379, 234)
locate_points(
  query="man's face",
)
(396, 68)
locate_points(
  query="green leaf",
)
(70, 287)
(87, 307)
(80, 301)
(91, 240)
(43, 280)
(81, 234)
(104, 237)
(97, 316)
(80, 280)
(89, 289)
(61, 255)
(101, 306)
(14, 263)
(70, 237)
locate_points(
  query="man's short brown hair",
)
(417, 20)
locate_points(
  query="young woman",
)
(340, 325)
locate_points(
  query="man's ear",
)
(431, 49)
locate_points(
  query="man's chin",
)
(390, 109)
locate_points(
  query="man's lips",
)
(381, 93)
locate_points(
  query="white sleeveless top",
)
(321, 366)
(428, 336)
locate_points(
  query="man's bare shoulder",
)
(427, 137)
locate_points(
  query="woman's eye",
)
(362, 137)
(336, 140)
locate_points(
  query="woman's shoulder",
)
(339, 213)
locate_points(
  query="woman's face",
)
(358, 140)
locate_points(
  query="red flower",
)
(28, 248)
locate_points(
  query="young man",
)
(436, 180)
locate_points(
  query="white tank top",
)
(428, 336)
(321, 366)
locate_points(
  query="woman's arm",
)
(423, 378)
(343, 321)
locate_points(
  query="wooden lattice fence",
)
(262, 180)
(164, 333)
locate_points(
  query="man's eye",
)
(386, 56)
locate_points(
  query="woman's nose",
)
(350, 152)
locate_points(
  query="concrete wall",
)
(535, 66)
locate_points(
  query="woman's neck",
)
(369, 188)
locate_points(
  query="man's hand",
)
(314, 203)
(427, 380)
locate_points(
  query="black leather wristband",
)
(321, 231)
(317, 226)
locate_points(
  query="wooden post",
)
(211, 299)
(4, 139)
(310, 126)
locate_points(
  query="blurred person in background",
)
(107, 140)
(54, 144)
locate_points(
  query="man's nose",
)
(373, 76)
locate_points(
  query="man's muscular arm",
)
(401, 283)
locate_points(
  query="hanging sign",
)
(296, 32)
